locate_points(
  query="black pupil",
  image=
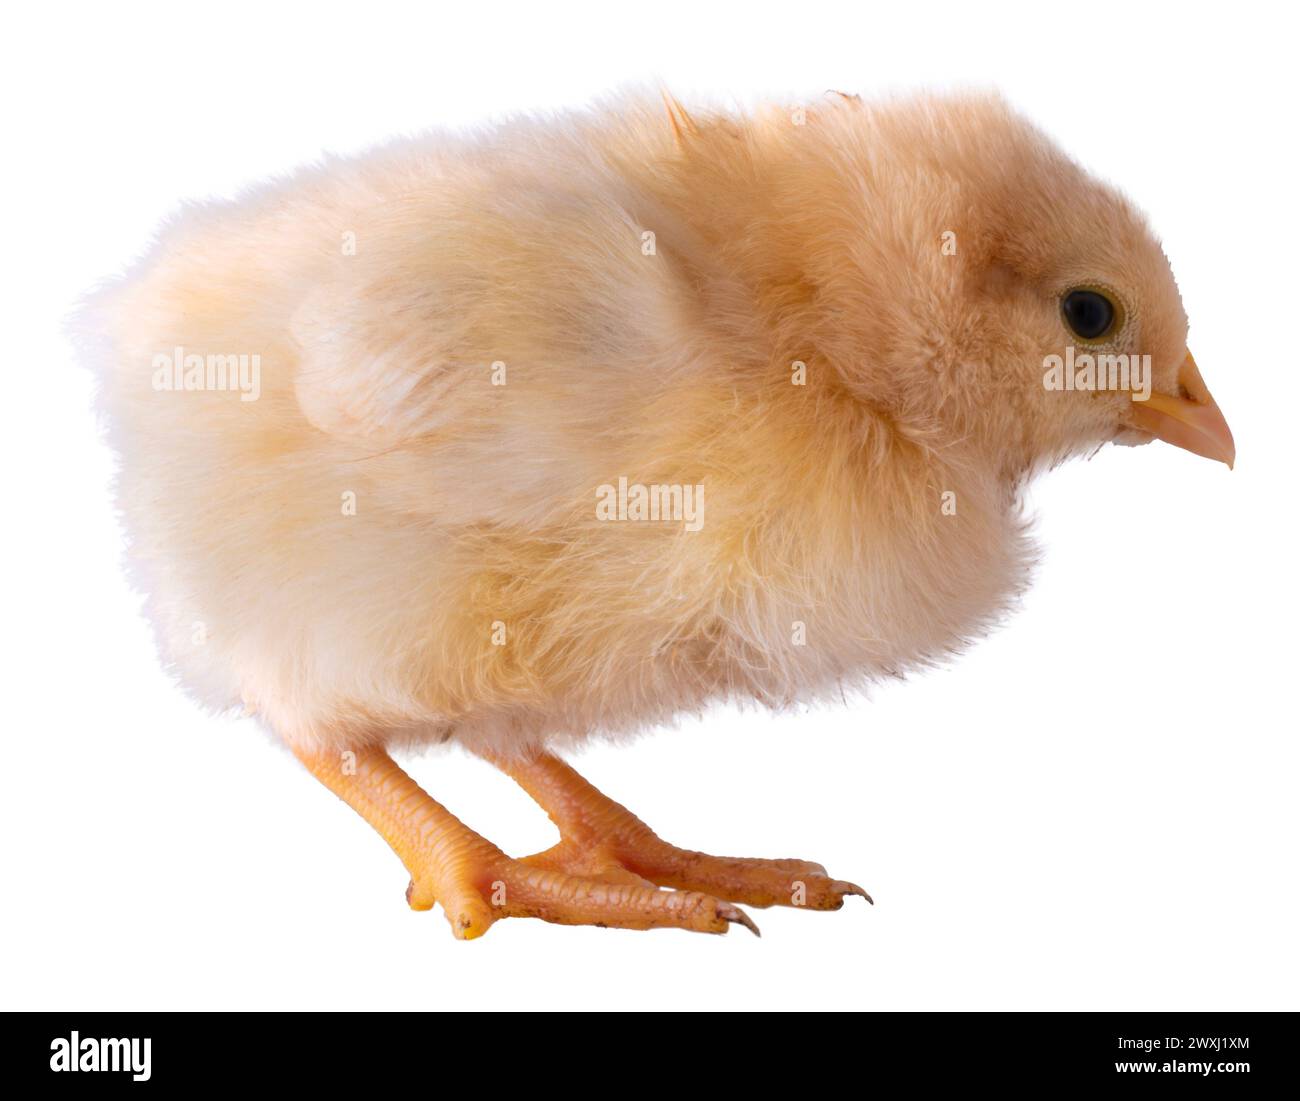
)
(1088, 313)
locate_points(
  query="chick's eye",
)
(1090, 314)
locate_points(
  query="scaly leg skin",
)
(476, 883)
(602, 838)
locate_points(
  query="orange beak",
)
(1193, 423)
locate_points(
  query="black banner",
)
(91, 1052)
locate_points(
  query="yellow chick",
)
(573, 426)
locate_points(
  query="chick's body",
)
(824, 327)
(475, 592)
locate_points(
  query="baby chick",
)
(568, 428)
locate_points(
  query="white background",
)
(1096, 808)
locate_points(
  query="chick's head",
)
(975, 284)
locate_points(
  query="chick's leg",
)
(601, 838)
(475, 882)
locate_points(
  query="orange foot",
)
(477, 884)
(600, 838)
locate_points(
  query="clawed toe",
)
(738, 916)
(846, 888)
